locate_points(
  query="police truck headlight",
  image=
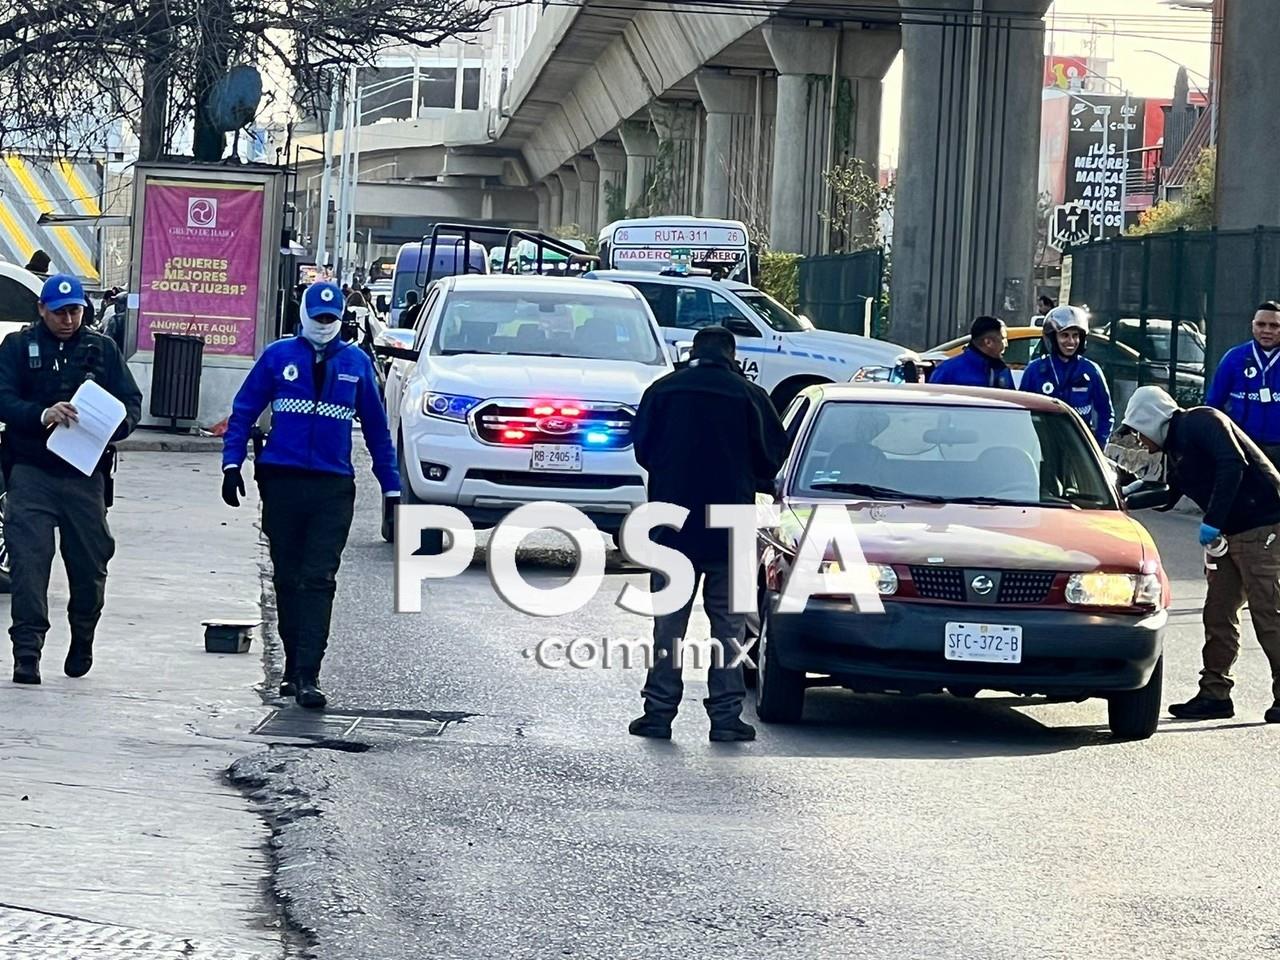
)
(448, 406)
(1110, 589)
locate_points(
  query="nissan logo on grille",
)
(556, 425)
(982, 585)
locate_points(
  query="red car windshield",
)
(951, 454)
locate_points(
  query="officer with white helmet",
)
(315, 384)
(1065, 373)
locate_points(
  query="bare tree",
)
(70, 67)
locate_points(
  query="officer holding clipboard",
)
(41, 367)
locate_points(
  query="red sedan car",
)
(996, 537)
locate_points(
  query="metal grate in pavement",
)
(338, 726)
(30, 935)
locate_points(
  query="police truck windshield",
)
(526, 324)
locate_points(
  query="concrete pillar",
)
(641, 146)
(588, 172)
(679, 156)
(965, 217)
(541, 191)
(809, 136)
(569, 206)
(730, 104)
(613, 181)
(555, 209)
(1248, 192)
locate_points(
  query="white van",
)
(654, 244)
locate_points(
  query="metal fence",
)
(1140, 287)
(835, 291)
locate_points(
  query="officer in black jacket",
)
(706, 435)
(1214, 463)
(41, 367)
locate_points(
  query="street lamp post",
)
(345, 225)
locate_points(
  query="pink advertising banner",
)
(201, 257)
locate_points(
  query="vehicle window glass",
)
(424, 315)
(693, 308)
(727, 315)
(661, 300)
(536, 324)
(794, 417)
(771, 311)
(951, 454)
(17, 302)
(1020, 351)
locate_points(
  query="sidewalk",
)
(122, 836)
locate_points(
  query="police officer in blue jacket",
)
(315, 384)
(981, 364)
(1063, 372)
(1246, 386)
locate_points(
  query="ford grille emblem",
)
(982, 585)
(556, 425)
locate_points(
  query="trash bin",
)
(175, 377)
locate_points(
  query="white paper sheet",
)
(82, 443)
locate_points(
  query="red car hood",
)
(970, 535)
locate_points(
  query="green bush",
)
(780, 277)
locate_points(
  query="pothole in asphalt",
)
(337, 730)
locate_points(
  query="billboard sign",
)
(1100, 129)
(201, 260)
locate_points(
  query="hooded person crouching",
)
(316, 384)
(1213, 462)
(1063, 372)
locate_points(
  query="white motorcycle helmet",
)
(1065, 318)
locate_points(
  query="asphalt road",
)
(880, 828)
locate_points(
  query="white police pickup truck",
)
(781, 352)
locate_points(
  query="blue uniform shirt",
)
(310, 428)
(1246, 387)
(1079, 384)
(972, 368)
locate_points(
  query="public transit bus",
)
(657, 243)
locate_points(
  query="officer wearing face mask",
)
(315, 384)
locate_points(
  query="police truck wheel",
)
(1134, 714)
(779, 691)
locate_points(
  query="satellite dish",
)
(232, 102)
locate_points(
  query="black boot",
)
(1273, 715)
(1201, 707)
(26, 669)
(650, 725)
(732, 731)
(79, 658)
(288, 686)
(309, 695)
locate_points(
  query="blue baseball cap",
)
(62, 290)
(323, 299)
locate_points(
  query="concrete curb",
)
(169, 443)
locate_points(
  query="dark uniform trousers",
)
(306, 516)
(37, 502)
(664, 686)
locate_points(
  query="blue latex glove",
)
(1208, 534)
